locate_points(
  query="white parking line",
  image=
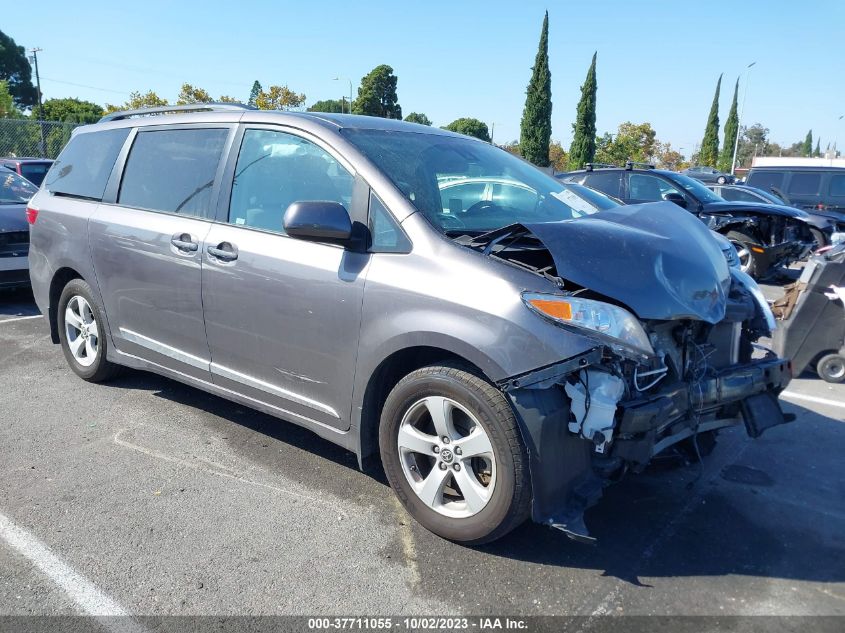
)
(23, 318)
(83, 592)
(801, 396)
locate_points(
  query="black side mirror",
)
(676, 198)
(318, 221)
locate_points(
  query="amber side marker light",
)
(757, 249)
(555, 309)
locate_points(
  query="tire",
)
(85, 347)
(819, 239)
(831, 368)
(721, 180)
(749, 261)
(413, 451)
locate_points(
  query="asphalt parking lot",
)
(158, 499)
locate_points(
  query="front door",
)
(283, 315)
(147, 247)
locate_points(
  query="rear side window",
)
(607, 182)
(837, 185)
(765, 180)
(738, 195)
(34, 172)
(84, 166)
(805, 183)
(173, 170)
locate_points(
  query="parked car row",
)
(504, 344)
(767, 236)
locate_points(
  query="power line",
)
(70, 83)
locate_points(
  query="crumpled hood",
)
(661, 263)
(13, 218)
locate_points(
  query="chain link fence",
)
(38, 139)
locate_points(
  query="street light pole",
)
(350, 91)
(741, 111)
(35, 52)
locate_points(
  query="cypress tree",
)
(535, 130)
(709, 154)
(253, 94)
(731, 131)
(807, 147)
(583, 148)
(818, 152)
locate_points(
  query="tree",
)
(16, 71)
(731, 132)
(279, 98)
(668, 158)
(328, 105)
(818, 152)
(137, 100)
(636, 142)
(470, 127)
(189, 94)
(72, 110)
(558, 158)
(535, 130)
(377, 94)
(709, 154)
(253, 94)
(807, 147)
(227, 99)
(583, 148)
(7, 103)
(418, 117)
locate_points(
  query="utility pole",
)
(35, 52)
(741, 110)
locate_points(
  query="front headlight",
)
(603, 318)
(752, 287)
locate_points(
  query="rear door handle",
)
(224, 251)
(184, 242)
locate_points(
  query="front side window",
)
(648, 188)
(464, 186)
(805, 183)
(173, 170)
(276, 169)
(85, 164)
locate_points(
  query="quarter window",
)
(173, 170)
(837, 185)
(84, 166)
(276, 169)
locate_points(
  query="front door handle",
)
(224, 251)
(184, 242)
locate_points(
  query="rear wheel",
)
(831, 368)
(749, 261)
(721, 180)
(453, 454)
(82, 333)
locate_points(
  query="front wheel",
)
(82, 333)
(453, 453)
(749, 261)
(831, 368)
(721, 180)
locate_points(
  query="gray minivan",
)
(500, 342)
(817, 189)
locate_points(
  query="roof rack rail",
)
(632, 163)
(592, 166)
(193, 107)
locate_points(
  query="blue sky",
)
(657, 61)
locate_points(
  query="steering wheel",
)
(482, 206)
(445, 218)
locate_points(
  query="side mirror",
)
(676, 198)
(318, 221)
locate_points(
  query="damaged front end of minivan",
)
(673, 332)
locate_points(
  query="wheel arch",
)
(58, 282)
(384, 378)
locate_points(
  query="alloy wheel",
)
(81, 330)
(447, 457)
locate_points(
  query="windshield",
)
(466, 186)
(702, 193)
(14, 189)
